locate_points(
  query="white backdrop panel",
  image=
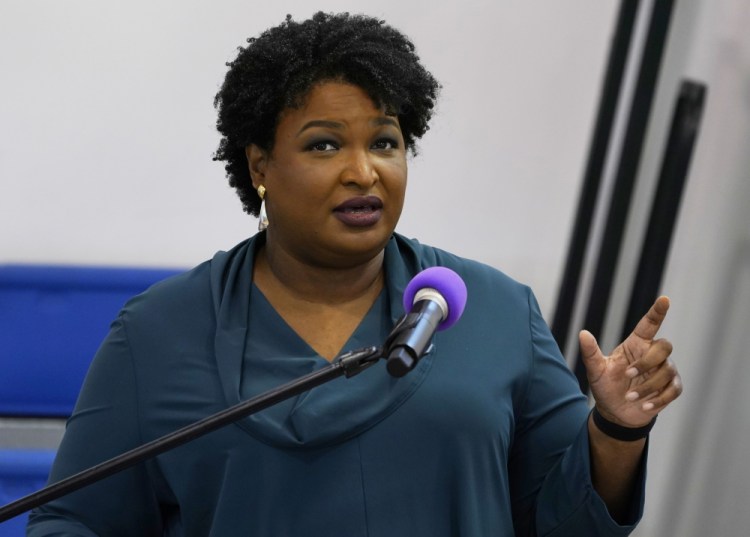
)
(107, 127)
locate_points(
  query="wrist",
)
(620, 432)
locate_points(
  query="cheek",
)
(297, 193)
(395, 181)
(298, 181)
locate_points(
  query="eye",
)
(322, 146)
(385, 144)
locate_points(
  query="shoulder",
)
(173, 292)
(500, 327)
(484, 282)
(175, 303)
(188, 294)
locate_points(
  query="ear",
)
(257, 161)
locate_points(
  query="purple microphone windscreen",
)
(448, 284)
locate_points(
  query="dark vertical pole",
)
(630, 158)
(675, 165)
(610, 96)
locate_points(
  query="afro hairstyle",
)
(276, 70)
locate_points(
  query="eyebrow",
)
(378, 122)
(321, 123)
(387, 120)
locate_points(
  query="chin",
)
(362, 247)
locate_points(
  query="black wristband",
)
(619, 432)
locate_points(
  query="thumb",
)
(590, 352)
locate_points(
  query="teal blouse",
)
(486, 437)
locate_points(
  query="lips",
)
(360, 211)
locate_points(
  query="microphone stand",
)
(348, 364)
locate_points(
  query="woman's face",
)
(335, 179)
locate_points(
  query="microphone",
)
(435, 299)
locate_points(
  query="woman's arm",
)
(615, 467)
(630, 387)
(104, 424)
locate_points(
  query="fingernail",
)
(631, 372)
(647, 406)
(631, 396)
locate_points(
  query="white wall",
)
(699, 470)
(107, 127)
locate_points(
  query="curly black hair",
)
(276, 71)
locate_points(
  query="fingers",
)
(589, 347)
(656, 382)
(658, 401)
(650, 323)
(591, 354)
(660, 382)
(657, 353)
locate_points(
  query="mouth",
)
(360, 204)
(360, 211)
(357, 210)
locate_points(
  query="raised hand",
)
(638, 379)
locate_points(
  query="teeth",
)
(358, 209)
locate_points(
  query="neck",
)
(277, 270)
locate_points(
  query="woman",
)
(489, 435)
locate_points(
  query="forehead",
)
(333, 99)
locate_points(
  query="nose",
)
(359, 170)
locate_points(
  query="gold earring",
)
(262, 216)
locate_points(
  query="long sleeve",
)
(550, 463)
(103, 425)
(486, 436)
